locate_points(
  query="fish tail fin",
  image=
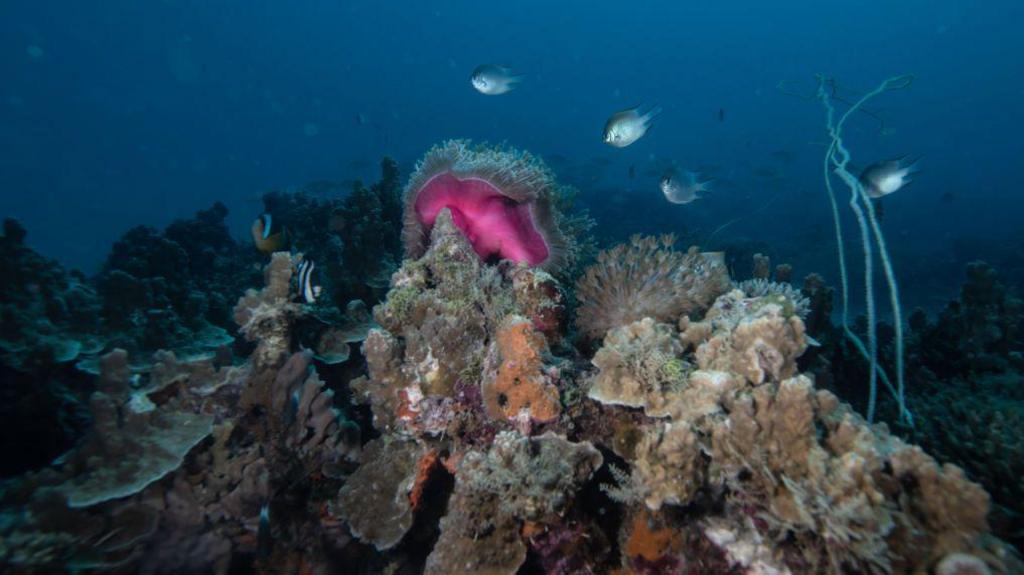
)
(653, 113)
(913, 165)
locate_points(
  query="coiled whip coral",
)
(837, 159)
(646, 278)
(501, 199)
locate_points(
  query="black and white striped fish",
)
(307, 284)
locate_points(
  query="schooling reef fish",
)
(268, 239)
(494, 80)
(628, 126)
(682, 190)
(307, 282)
(888, 176)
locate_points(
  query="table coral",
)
(131, 446)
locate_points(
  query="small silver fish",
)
(628, 126)
(307, 287)
(888, 176)
(684, 189)
(494, 80)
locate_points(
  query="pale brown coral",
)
(753, 338)
(519, 479)
(646, 278)
(375, 500)
(131, 445)
(642, 365)
(639, 365)
(517, 381)
(668, 465)
(266, 316)
(806, 482)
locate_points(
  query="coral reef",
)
(979, 333)
(50, 318)
(174, 289)
(482, 438)
(182, 459)
(132, 443)
(49, 314)
(439, 320)
(353, 237)
(964, 385)
(646, 278)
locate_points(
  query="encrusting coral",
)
(519, 479)
(646, 278)
(375, 500)
(517, 382)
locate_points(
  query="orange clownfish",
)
(267, 238)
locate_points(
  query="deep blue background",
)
(115, 112)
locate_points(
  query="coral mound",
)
(646, 278)
(502, 200)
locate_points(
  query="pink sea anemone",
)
(501, 199)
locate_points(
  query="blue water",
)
(119, 113)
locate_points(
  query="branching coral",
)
(173, 289)
(646, 278)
